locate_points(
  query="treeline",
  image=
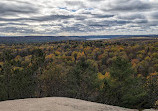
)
(112, 72)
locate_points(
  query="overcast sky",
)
(78, 17)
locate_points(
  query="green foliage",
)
(52, 81)
(122, 88)
(37, 59)
(23, 84)
(19, 83)
(152, 90)
(82, 80)
(121, 70)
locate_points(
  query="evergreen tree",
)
(122, 88)
(83, 80)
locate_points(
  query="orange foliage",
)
(134, 62)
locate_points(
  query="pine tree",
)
(122, 88)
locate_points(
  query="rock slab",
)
(56, 104)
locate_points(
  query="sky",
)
(78, 17)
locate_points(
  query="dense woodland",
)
(115, 72)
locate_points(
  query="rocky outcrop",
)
(56, 104)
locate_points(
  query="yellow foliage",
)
(79, 55)
(139, 75)
(114, 49)
(141, 52)
(156, 104)
(50, 56)
(18, 58)
(121, 48)
(17, 68)
(80, 47)
(28, 58)
(140, 56)
(148, 58)
(152, 75)
(96, 50)
(30, 64)
(101, 76)
(87, 49)
(155, 54)
(74, 53)
(1, 63)
(57, 53)
(67, 58)
(156, 65)
(82, 54)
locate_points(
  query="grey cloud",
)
(128, 5)
(19, 2)
(155, 15)
(72, 29)
(9, 24)
(131, 16)
(132, 25)
(77, 16)
(40, 18)
(52, 25)
(80, 17)
(95, 0)
(103, 15)
(98, 24)
(141, 21)
(92, 26)
(13, 20)
(80, 28)
(108, 23)
(75, 3)
(12, 9)
(51, 17)
(86, 13)
(122, 21)
(16, 30)
(153, 23)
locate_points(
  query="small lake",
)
(97, 38)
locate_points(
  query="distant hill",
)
(35, 39)
(41, 39)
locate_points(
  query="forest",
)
(116, 72)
